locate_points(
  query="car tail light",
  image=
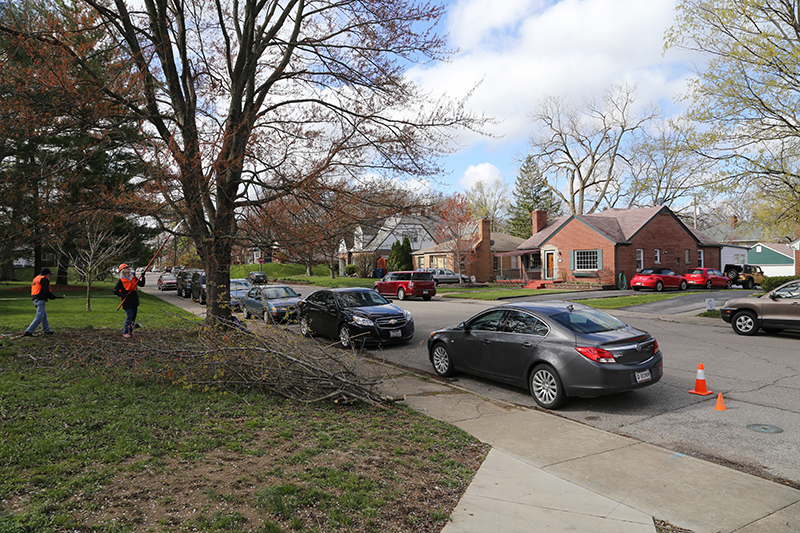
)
(598, 355)
(655, 346)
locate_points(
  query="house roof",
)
(391, 223)
(783, 249)
(739, 233)
(504, 242)
(617, 225)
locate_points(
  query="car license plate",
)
(643, 376)
(424, 292)
(396, 333)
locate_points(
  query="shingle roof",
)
(617, 225)
(783, 249)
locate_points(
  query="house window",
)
(639, 259)
(586, 260)
(422, 262)
(700, 258)
(495, 263)
(657, 256)
(514, 261)
(688, 258)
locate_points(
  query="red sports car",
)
(658, 279)
(708, 278)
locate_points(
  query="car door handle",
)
(527, 344)
(486, 341)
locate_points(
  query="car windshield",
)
(360, 299)
(279, 292)
(240, 285)
(588, 321)
(647, 271)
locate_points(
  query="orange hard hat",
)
(123, 266)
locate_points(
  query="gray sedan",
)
(556, 349)
(271, 303)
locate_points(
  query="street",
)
(759, 378)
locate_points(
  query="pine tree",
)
(531, 193)
(407, 261)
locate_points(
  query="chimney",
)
(734, 221)
(539, 220)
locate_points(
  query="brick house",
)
(602, 247)
(486, 262)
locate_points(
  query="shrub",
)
(773, 282)
(350, 270)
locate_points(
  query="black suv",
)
(199, 287)
(257, 278)
(183, 282)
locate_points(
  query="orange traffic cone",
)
(720, 403)
(700, 383)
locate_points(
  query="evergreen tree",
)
(531, 193)
(395, 257)
(407, 261)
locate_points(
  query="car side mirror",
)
(299, 295)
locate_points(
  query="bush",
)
(350, 270)
(773, 282)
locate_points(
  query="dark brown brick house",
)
(604, 247)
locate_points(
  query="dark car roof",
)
(656, 270)
(544, 307)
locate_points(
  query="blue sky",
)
(521, 50)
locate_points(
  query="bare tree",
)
(92, 249)
(252, 101)
(581, 152)
(490, 200)
(457, 232)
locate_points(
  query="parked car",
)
(271, 303)
(167, 282)
(776, 310)
(238, 289)
(198, 287)
(555, 349)
(257, 278)
(658, 279)
(183, 282)
(404, 284)
(445, 275)
(747, 276)
(354, 316)
(707, 277)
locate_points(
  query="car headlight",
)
(361, 321)
(408, 315)
(726, 303)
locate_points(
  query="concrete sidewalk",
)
(547, 473)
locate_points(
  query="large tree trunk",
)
(63, 267)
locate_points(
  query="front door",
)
(549, 265)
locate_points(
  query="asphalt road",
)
(759, 378)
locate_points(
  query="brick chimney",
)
(734, 221)
(539, 220)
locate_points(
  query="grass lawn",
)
(624, 301)
(492, 293)
(69, 313)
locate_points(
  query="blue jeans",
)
(41, 317)
(130, 320)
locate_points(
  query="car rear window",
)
(588, 321)
(422, 276)
(695, 271)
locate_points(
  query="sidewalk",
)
(547, 473)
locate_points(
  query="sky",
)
(521, 50)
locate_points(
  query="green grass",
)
(69, 313)
(86, 448)
(491, 293)
(625, 301)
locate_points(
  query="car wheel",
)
(401, 294)
(732, 275)
(683, 285)
(659, 286)
(442, 363)
(247, 314)
(305, 329)
(546, 387)
(744, 323)
(748, 284)
(267, 317)
(427, 297)
(729, 284)
(346, 340)
(709, 285)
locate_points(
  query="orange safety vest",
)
(36, 286)
(129, 284)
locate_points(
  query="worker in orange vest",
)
(40, 292)
(126, 289)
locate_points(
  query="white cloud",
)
(525, 49)
(485, 172)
